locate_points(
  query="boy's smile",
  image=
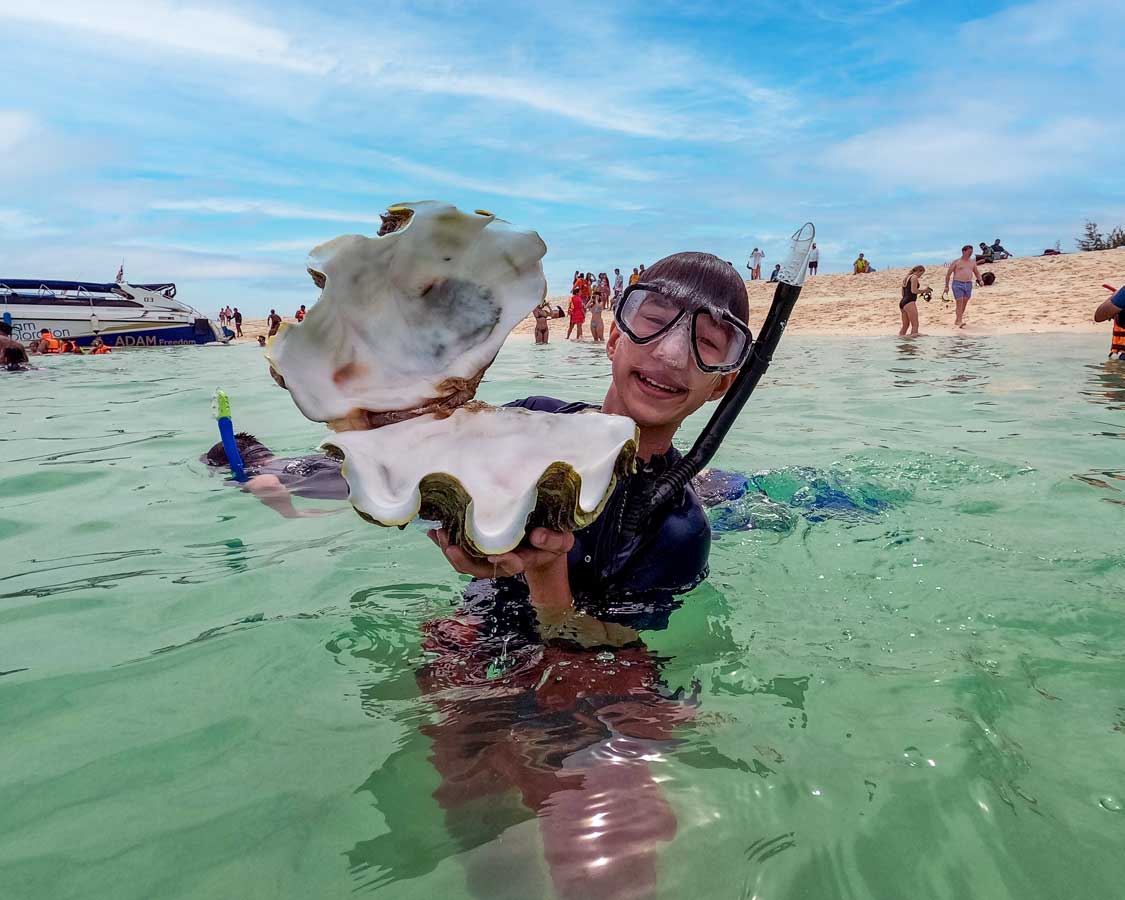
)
(658, 385)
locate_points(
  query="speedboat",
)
(121, 314)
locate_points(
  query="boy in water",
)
(678, 340)
(964, 272)
(572, 738)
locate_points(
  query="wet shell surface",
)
(486, 474)
(408, 321)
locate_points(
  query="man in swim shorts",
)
(274, 480)
(963, 272)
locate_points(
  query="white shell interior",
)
(497, 455)
(400, 314)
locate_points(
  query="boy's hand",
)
(546, 549)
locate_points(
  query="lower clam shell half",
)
(488, 474)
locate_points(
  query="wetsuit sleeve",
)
(644, 592)
(676, 561)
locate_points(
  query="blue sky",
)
(214, 145)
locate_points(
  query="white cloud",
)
(934, 153)
(16, 224)
(92, 259)
(160, 24)
(270, 209)
(16, 126)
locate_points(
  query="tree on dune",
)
(1092, 239)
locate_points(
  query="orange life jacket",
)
(101, 349)
(1117, 344)
(53, 344)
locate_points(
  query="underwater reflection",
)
(1106, 384)
(556, 717)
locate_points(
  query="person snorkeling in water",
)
(275, 480)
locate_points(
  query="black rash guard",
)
(634, 584)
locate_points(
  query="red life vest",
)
(1117, 343)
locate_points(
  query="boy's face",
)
(658, 383)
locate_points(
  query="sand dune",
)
(1030, 295)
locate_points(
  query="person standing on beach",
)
(237, 323)
(542, 324)
(577, 311)
(634, 277)
(598, 301)
(274, 321)
(618, 285)
(908, 305)
(963, 272)
(755, 264)
(301, 313)
(814, 258)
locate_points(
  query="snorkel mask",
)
(755, 359)
(719, 340)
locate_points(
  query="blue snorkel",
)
(220, 407)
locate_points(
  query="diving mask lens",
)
(719, 343)
(646, 314)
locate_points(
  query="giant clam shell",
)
(488, 474)
(407, 322)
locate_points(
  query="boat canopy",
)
(92, 287)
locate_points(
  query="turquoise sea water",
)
(904, 678)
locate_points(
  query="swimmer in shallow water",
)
(14, 354)
(1113, 309)
(578, 743)
(275, 480)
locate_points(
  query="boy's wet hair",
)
(248, 446)
(700, 279)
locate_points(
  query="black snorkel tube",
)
(675, 479)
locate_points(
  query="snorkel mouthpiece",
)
(672, 482)
(220, 408)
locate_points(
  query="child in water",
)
(574, 733)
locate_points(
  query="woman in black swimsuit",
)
(908, 306)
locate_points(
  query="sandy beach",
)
(1031, 295)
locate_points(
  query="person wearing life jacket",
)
(69, 346)
(1114, 308)
(300, 316)
(860, 266)
(48, 343)
(98, 347)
